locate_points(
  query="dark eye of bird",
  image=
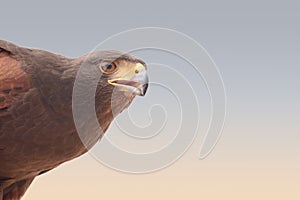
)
(109, 68)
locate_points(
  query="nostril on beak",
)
(137, 71)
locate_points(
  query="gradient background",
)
(256, 46)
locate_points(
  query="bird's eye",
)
(109, 68)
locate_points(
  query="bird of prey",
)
(37, 129)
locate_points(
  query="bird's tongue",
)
(127, 82)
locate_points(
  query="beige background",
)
(239, 168)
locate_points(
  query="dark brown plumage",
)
(37, 131)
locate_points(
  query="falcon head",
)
(122, 72)
(122, 78)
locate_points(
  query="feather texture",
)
(37, 131)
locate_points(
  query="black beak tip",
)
(144, 89)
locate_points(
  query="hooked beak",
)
(138, 84)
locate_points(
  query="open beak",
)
(137, 84)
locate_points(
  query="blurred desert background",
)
(256, 46)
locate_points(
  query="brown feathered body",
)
(37, 131)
